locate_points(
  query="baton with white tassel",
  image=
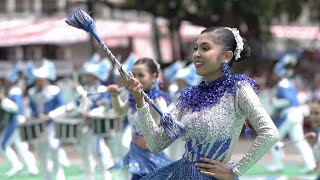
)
(81, 20)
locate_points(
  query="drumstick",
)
(101, 91)
(60, 110)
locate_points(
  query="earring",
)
(156, 84)
(225, 68)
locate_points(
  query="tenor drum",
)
(67, 130)
(32, 130)
(104, 126)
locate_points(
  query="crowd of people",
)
(203, 111)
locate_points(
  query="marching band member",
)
(92, 147)
(124, 95)
(140, 159)
(169, 75)
(10, 136)
(44, 98)
(210, 116)
(291, 115)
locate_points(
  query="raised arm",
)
(120, 107)
(162, 104)
(267, 133)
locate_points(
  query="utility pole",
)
(91, 9)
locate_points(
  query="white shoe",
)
(60, 174)
(275, 168)
(89, 177)
(33, 171)
(64, 161)
(107, 175)
(307, 170)
(13, 171)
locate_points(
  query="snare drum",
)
(32, 130)
(104, 126)
(67, 130)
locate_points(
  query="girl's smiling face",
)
(208, 57)
(143, 74)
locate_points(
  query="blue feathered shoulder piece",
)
(206, 95)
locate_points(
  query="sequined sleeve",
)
(267, 134)
(155, 135)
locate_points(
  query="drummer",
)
(10, 135)
(92, 147)
(43, 99)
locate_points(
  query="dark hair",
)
(225, 37)
(152, 65)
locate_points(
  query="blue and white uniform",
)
(10, 135)
(291, 117)
(93, 148)
(42, 101)
(142, 161)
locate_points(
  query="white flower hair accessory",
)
(239, 41)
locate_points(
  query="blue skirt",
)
(178, 170)
(142, 161)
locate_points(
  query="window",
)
(20, 6)
(49, 7)
(50, 51)
(3, 53)
(3, 6)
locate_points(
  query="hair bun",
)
(246, 52)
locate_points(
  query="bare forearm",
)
(118, 105)
(140, 102)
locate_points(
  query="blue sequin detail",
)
(217, 151)
(178, 170)
(173, 129)
(205, 95)
(142, 161)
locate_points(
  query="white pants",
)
(22, 150)
(293, 126)
(94, 151)
(48, 150)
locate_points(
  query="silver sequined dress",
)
(213, 133)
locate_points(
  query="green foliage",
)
(255, 13)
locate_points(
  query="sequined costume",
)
(142, 161)
(213, 115)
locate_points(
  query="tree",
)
(253, 17)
